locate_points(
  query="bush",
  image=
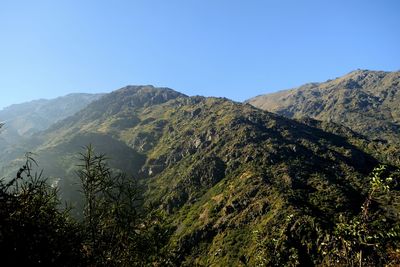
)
(33, 230)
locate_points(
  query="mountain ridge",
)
(226, 175)
(47, 111)
(23, 122)
(219, 169)
(366, 101)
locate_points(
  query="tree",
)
(116, 229)
(33, 228)
(371, 237)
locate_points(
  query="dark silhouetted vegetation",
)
(117, 232)
(35, 231)
(368, 238)
(221, 184)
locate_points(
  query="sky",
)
(231, 48)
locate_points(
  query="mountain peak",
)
(144, 88)
(124, 101)
(142, 95)
(365, 101)
(364, 72)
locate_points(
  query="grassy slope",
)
(221, 170)
(368, 102)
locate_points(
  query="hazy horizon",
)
(227, 48)
(105, 92)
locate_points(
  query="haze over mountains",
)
(23, 120)
(224, 170)
(368, 102)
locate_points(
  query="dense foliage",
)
(36, 231)
(116, 231)
(221, 183)
(370, 237)
(33, 230)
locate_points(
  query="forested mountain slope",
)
(230, 178)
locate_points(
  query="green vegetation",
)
(368, 238)
(35, 231)
(368, 102)
(221, 184)
(116, 231)
(27, 119)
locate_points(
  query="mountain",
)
(23, 121)
(368, 102)
(30, 117)
(100, 123)
(230, 177)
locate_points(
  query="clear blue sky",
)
(237, 49)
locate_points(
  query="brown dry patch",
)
(245, 175)
(218, 198)
(204, 214)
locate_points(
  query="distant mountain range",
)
(30, 117)
(368, 102)
(223, 171)
(23, 121)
